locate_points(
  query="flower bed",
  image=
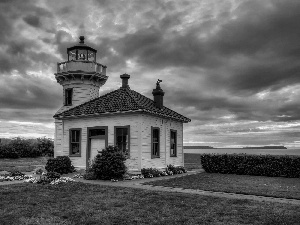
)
(14, 176)
(169, 171)
(45, 180)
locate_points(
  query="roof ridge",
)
(128, 91)
(121, 99)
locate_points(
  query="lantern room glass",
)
(81, 54)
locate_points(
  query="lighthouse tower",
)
(81, 77)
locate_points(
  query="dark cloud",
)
(29, 92)
(33, 20)
(228, 66)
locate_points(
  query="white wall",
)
(110, 121)
(140, 138)
(83, 91)
(165, 125)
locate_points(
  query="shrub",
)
(176, 169)
(110, 164)
(60, 164)
(45, 146)
(257, 165)
(39, 171)
(53, 175)
(6, 151)
(16, 173)
(150, 172)
(19, 147)
(90, 175)
(170, 170)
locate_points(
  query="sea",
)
(289, 151)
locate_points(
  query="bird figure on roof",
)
(157, 84)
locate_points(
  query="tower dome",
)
(81, 76)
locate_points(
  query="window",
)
(96, 132)
(122, 138)
(75, 139)
(68, 96)
(155, 142)
(173, 143)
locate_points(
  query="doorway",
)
(97, 141)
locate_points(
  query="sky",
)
(232, 67)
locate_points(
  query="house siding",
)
(109, 121)
(58, 140)
(140, 139)
(82, 93)
(165, 125)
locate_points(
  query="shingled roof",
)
(121, 100)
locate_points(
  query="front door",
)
(97, 145)
(97, 141)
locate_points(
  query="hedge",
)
(257, 165)
(21, 148)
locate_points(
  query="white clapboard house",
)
(149, 132)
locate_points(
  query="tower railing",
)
(81, 65)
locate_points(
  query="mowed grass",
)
(241, 184)
(79, 203)
(22, 164)
(24, 161)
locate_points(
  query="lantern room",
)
(81, 52)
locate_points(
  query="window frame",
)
(152, 149)
(67, 96)
(115, 136)
(175, 154)
(70, 142)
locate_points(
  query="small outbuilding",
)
(150, 133)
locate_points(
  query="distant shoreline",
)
(210, 147)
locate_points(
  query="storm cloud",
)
(231, 66)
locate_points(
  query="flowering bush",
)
(176, 169)
(150, 172)
(62, 180)
(78, 175)
(14, 176)
(45, 180)
(32, 180)
(170, 170)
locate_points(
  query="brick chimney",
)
(158, 95)
(125, 77)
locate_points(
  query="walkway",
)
(139, 184)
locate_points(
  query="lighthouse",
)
(81, 76)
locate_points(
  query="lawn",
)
(242, 184)
(22, 164)
(79, 203)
